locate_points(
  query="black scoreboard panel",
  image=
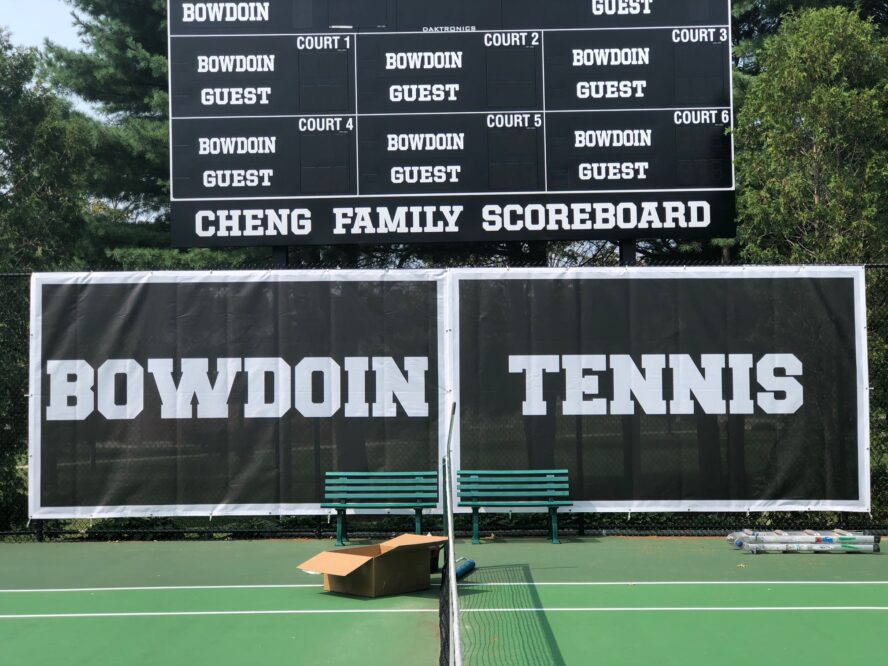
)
(348, 121)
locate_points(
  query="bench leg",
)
(476, 538)
(418, 521)
(553, 515)
(341, 537)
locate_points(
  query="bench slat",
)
(379, 505)
(382, 474)
(466, 487)
(510, 472)
(516, 493)
(395, 490)
(365, 481)
(513, 479)
(481, 504)
(352, 496)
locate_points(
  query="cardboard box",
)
(396, 566)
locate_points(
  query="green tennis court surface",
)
(607, 601)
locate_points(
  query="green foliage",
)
(813, 144)
(123, 71)
(45, 156)
(13, 404)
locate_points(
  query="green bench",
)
(536, 488)
(379, 490)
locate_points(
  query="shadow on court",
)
(506, 637)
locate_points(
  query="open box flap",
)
(335, 563)
(410, 542)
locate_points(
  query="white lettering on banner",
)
(319, 42)
(423, 142)
(630, 138)
(203, 12)
(70, 382)
(450, 28)
(75, 392)
(324, 124)
(611, 57)
(176, 400)
(533, 368)
(621, 7)
(402, 220)
(234, 96)
(425, 60)
(234, 63)
(698, 35)
(252, 222)
(238, 178)
(303, 393)
(701, 117)
(237, 145)
(599, 216)
(613, 170)
(695, 383)
(425, 174)
(498, 39)
(109, 404)
(258, 405)
(514, 120)
(424, 92)
(610, 89)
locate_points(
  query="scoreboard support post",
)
(628, 252)
(280, 256)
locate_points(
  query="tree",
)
(45, 156)
(813, 144)
(123, 72)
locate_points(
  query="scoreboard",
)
(390, 121)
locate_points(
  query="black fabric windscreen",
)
(329, 390)
(658, 389)
(722, 359)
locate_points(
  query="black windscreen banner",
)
(657, 389)
(232, 394)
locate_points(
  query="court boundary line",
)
(671, 582)
(673, 609)
(364, 611)
(161, 588)
(148, 588)
(285, 611)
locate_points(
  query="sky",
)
(30, 21)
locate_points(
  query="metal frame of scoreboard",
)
(259, 207)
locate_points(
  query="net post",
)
(444, 500)
(455, 646)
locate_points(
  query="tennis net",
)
(448, 600)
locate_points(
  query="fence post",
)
(38, 531)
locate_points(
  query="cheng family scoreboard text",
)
(374, 121)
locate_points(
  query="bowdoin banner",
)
(660, 390)
(214, 394)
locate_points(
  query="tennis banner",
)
(195, 394)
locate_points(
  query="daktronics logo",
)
(316, 387)
(701, 380)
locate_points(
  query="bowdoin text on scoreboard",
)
(349, 121)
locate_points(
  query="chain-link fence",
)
(14, 523)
